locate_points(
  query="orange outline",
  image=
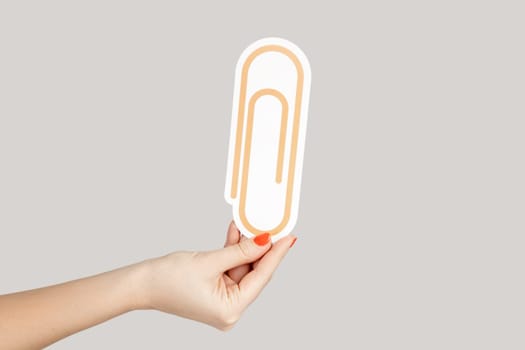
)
(284, 120)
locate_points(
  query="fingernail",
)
(262, 239)
(293, 242)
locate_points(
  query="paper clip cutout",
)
(270, 108)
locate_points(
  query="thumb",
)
(246, 251)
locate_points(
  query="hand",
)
(214, 287)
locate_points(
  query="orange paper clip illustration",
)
(270, 108)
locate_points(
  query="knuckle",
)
(244, 251)
(227, 320)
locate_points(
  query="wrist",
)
(138, 282)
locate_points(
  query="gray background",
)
(114, 125)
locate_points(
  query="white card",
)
(268, 130)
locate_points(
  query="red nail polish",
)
(262, 239)
(293, 242)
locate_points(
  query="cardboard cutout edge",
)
(267, 137)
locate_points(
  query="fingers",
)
(254, 282)
(246, 251)
(237, 273)
(233, 235)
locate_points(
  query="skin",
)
(212, 287)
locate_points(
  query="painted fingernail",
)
(262, 239)
(293, 242)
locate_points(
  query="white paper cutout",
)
(268, 130)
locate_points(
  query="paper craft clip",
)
(268, 129)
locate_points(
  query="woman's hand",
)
(213, 287)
